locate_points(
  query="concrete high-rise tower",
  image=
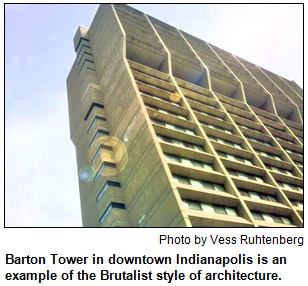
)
(171, 131)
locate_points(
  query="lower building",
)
(171, 131)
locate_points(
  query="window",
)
(95, 119)
(271, 218)
(268, 155)
(210, 208)
(181, 180)
(257, 196)
(285, 140)
(208, 114)
(173, 127)
(297, 203)
(97, 134)
(105, 164)
(294, 152)
(189, 162)
(99, 151)
(250, 128)
(279, 170)
(258, 141)
(105, 187)
(299, 164)
(173, 158)
(246, 176)
(91, 108)
(235, 158)
(226, 142)
(112, 205)
(290, 186)
(199, 184)
(180, 143)
(165, 111)
(216, 127)
(162, 99)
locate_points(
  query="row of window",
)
(246, 176)
(109, 209)
(286, 140)
(299, 164)
(162, 99)
(180, 143)
(271, 218)
(274, 127)
(95, 119)
(208, 114)
(93, 105)
(108, 183)
(226, 142)
(209, 208)
(105, 187)
(297, 203)
(268, 155)
(189, 162)
(165, 111)
(199, 101)
(174, 127)
(102, 167)
(294, 152)
(216, 127)
(235, 158)
(243, 114)
(290, 186)
(198, 183)
(279, 170)
(258, 196)
(227, 105)
(97, 134)
(264, 117)
(250, 128)
(99, 150)
(258, 141)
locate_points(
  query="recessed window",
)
(105, 187)
(165, 111)
(257, 195)
(210, 208)
(290, 186)
(99, 150)
(102, 167)
(269, 155)
(279, 170)
(199, 183)
(180, 143)
(226, 142)
(246, 176)
(271, 218)
(235, 158)
(189, 162)
(294, 152)
(112, 205)
(297, 203)
(94, 104)
(258, 141)
(97, 134)
(162, 99)
(95, 119)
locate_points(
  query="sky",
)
(41, 171)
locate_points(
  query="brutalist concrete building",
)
(171, 131)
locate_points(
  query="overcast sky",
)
(41, 173)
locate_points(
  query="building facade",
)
(171, 131)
